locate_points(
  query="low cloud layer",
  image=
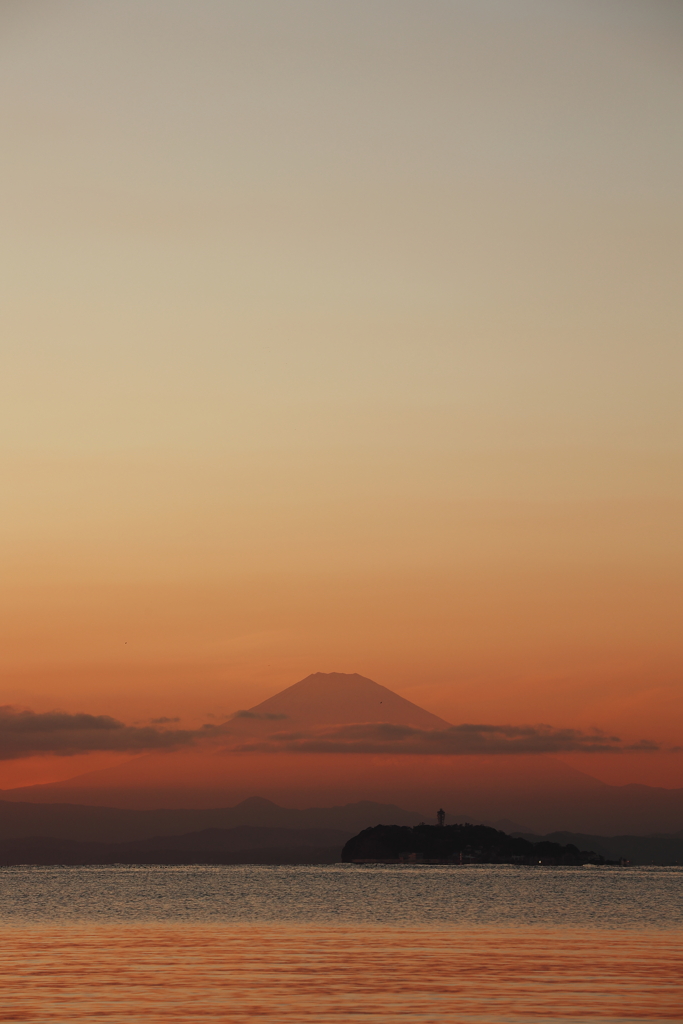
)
(458, 739)
(23, 733)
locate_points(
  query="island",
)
(456, 844)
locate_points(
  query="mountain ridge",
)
(246, 844)
(113, 824)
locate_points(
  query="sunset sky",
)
(344, 336)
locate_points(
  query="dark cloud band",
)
(23, 733)
(456, 740)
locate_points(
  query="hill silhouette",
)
(448, 844)
(246, 844)
(655, 849)
(81, 822)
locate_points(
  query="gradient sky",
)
(344, 336)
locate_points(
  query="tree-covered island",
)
(456, 844)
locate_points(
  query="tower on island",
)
(440, 817)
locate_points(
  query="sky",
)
(343, 336)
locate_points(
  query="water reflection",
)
(290, 973)
(316, 945)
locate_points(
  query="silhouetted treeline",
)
(466, 844)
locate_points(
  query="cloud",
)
(55, 732)
(23, 733)
(456, 740)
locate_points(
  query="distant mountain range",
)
(520, 792)
(255, 831)
(657, 849)
(84, 823)
(246, 844)
(63, 834)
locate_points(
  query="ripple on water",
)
(338, 944)
(602, 898)
(296, 973)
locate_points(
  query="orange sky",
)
(344, 338)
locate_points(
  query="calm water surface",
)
(491, 945)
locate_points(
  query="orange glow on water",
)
(375, 974)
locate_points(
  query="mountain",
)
(538, 790)
(335, 698)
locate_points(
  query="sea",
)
(385, 944)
